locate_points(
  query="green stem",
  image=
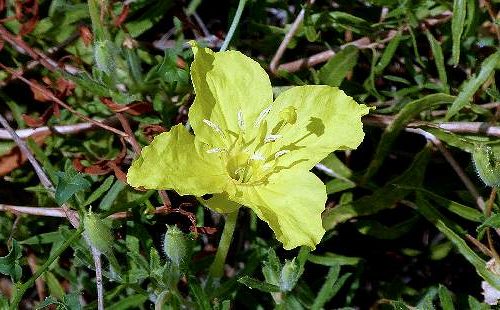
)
(217, 268)
(26, 285)
(234, 24)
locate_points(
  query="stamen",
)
(267, 166)
(257, 156)
(281, 153)
(262, 116)
(214, 150)
(214, 126)
(241, 120)
(271, 138)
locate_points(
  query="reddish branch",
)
(54, 98)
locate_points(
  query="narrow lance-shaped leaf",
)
(471, 86)
(437, 52)
(406, 114)
(336, 69)
(457, 27)
(440, 222)
(383, 198)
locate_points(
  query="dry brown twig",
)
(37, 55)
(54, 98)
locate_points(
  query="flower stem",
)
(217, 267)
(234, 24)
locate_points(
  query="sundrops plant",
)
(248, 150)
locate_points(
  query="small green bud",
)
(288, 277)
(289, 115)
(104, 56)
(487, 162)
(98, 232)
(176, 245)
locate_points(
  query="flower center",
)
(251, 159)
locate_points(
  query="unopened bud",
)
(98, 232)
(176, 245)
(104, 53)
(289, 276)
(487, 162)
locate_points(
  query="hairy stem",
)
(234, 24)
(217, 267)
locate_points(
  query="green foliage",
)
(401, 229)
(9, 265)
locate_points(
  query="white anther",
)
(262, 116)
(214, 126)
(271, 138)
(239, 170)
(267, 166)
(281, 153)
(241, 120)
(214, 150)
(257, 156)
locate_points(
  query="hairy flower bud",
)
(98, 232)
(176, 245)
(289, 276)
(104, 56)
(487, 162)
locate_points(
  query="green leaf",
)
(457, 27)
(200, 297)
(330, 288)
(338, 185)
(69, 183)
(111, 195)
(45, 238)
(388, 54)
(252, 283)
(376, 229)
(334, 167)
(272, 268)
(149, 18)
(407, 113)
(55, 288)
(9, 264)
(332, 259)
(437, 52)
(336, 69)
(452, 206)
(129, 302)
(493, 221)
(103, 188)
(472, 85)
(383, 198)
(445, 298)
